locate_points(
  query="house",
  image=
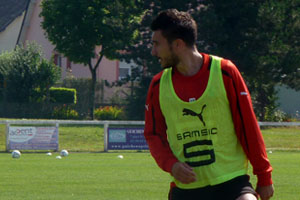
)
(289, 101)
(12, 13)
(20, 22)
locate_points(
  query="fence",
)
(106, 125)
(279, 123)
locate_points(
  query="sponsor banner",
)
(33, 138)
(126, 139)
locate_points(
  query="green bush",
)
(27, 74)
(82, 86)
(64, 112)
(63, 95)
(276, 115)
(109, 113)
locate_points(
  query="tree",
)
(140, 54)
(28, 76)
(281, 22)
(76, 28)
(260, 37)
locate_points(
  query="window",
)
(69, 66)
(57, 59)
(124, 70)
(123, 73)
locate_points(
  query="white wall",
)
(34, 32)
(289, 100)
(9, 37)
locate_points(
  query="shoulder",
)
(156, 79)
(154, 86)
(228, 64)
(232, 75)
(229, 68)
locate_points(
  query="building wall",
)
(34, 32)
(9, 37)
(289, 100)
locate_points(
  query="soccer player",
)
(199, 121)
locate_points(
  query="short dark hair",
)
(176, 25)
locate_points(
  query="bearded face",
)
(162, 49)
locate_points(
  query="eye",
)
(154, 43)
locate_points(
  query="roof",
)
(10, 10)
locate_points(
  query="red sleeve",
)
(155, 129)
(246, 126)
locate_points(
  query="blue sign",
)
(126, 139)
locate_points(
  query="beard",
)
(170, 61)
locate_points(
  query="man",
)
(199, 123)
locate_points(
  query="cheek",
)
(162, 52)
(156, 51)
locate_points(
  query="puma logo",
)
(192, 113)
(147, 107)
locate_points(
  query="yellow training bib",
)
(201, 133)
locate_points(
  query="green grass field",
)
(82, 176)
(88, 173)
(102, 176)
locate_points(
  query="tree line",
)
(260, 37)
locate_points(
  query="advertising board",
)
(126, 139)
(32, 138)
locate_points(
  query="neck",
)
(190, 62)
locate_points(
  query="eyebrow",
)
(154, 42)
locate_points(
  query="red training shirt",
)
(244, 119)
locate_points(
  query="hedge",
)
(63, 95)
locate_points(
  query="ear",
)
(178, 44)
